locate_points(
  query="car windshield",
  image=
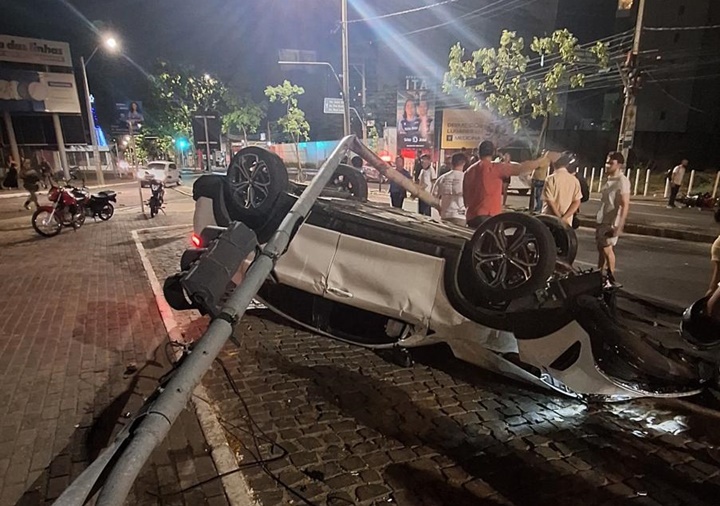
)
(156, 166)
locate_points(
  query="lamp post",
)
(345, 68)
(111, 44)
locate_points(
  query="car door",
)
(173, 173)
(383, 279)
(306, 263)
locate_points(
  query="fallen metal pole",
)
(393, 175)
(158, 419)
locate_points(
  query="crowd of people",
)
(473, 187)
(32, 175)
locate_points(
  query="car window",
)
(173, 166)
(156, 165)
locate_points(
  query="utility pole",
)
(345, 69)
(631, 81)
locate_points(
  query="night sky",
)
(238, 40)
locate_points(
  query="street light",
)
(110, 43)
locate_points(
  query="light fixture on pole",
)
(111, 44)
(345, 68)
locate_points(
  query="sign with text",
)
(333, 106)
(129, 117)
(34, 51)
(465, 128)
(30, 91)
(415, 114)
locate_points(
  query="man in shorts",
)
(449, 189)
(614, 208)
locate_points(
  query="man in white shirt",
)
(562, 193)
(614, 208)
(425, 181)
(449, 189)
(676, 181)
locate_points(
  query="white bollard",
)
(647, 183)
(592, 179)
(692, 180)
(637, 181)
(602, 171)
(717, 181)
(585, 173)
(628, 174)
(667, 189)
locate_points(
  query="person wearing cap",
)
(562, 193)
(483, 183)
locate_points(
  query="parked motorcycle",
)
(98, 204)
(701, 200)
(157, 199)
(66, 211)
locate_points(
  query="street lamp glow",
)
(111, 43)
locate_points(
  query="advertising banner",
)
(30, 91)
(415, 115)
(128, 114)
(465, 128)
(35, 51)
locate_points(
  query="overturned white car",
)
(505, 297)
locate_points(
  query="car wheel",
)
(255, 179)
(513, 255)
(347, 182)
(564, 236)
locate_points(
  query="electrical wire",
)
(679, 28)
(489, 10)
(400, 13)
(673, 97)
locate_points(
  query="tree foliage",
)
(244, 116)
(294, 122)
(510, 81)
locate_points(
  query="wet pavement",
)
(317, 421)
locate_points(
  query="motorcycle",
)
(98, 204)
(66, 211)
(701, 200)
(157, 199)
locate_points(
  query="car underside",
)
(505, 297)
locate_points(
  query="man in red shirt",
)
(483, 183)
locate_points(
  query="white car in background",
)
(166, 172)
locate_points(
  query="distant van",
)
(166, 172)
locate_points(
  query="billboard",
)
(128, 114)
(31, 91)
(465, 128)
(415, 115)
(34, 51)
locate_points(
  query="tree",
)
(245, 116)
(506, 81)
(177, 92)
(293, 123)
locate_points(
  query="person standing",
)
(45, 173)
(448, 188)
(537, 183)
(425, 182)
(11, 177)
(562, 193)
(611, 217)
(30, 178)
(676, 180)
(483, 183)
(397, 192)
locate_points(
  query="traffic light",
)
(182, 143)
(208, 267)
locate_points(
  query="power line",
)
(489, 10)
(679, 28)
(400, 13)
(674, 98)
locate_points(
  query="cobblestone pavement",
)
(339, 425)
(81, 344)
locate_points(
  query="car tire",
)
(513, 255)
(348, 182)
(255, 179)
(564, 236)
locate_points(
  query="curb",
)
(667, 233)
(236, 488)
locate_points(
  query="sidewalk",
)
(82, 344)
(9, 194)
